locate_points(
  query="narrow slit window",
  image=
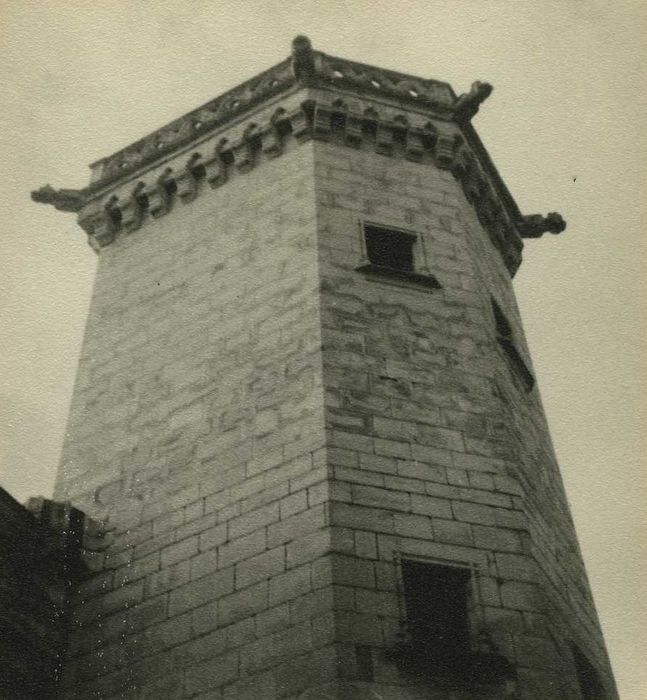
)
(506, 339)
(389, 248)
(436, 600)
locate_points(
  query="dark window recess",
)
(505, 337)
(390, 254)
(436, 600)
(389, 248)
(591, 687)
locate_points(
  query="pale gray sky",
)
(565, 126)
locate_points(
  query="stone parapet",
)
(309, 95)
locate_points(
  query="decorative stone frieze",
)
(359, 106)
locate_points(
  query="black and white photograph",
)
(323, 359)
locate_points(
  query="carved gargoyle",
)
(63, 200)
(535, 225)
(467, 105)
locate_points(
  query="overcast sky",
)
(565, 126)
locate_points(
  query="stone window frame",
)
(419, 276)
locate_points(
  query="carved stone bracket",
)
(96, 220)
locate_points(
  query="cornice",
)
(352, 103)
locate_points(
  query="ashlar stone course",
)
(267, 424)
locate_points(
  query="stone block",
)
(178, 552)
(308, 547)
(411, 525)
(521, 596)
(259, 567)
(500, 539)
(215, 673)
(244, 603)
(203, 564)
(452, 532)
(196, 593)
(212, 536)
(272, 620)
(242, 548)
(205, 619)
(354, 516)
(379, 497)
(514, 566)
(254, 520)
(351, 571)
(428, 505)
(473, 513)
(290, 585)
(292, 504)
(392, 448)
(293, 527)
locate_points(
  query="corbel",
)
(445, 151)
(271, 142)
(97, 222)
(274, 133)
(384, 139)
(487, 206)
(414, 146)
(242, 156)
(474, 182)
(243, 150)
(473, 187)
(322, 123)
(353, 132)
(158, 203)
(215, 171)
(300, 124)
(460, 165)
(186, 185)
(131, 213)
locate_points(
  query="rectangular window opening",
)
(389, 248)
(437, 603)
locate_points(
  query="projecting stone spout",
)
(535, 225)
(467, 105)
(63, 200)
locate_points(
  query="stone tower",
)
(305, 413)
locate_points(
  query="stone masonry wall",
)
(265, 431)
(196, 435)
(436, 448)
